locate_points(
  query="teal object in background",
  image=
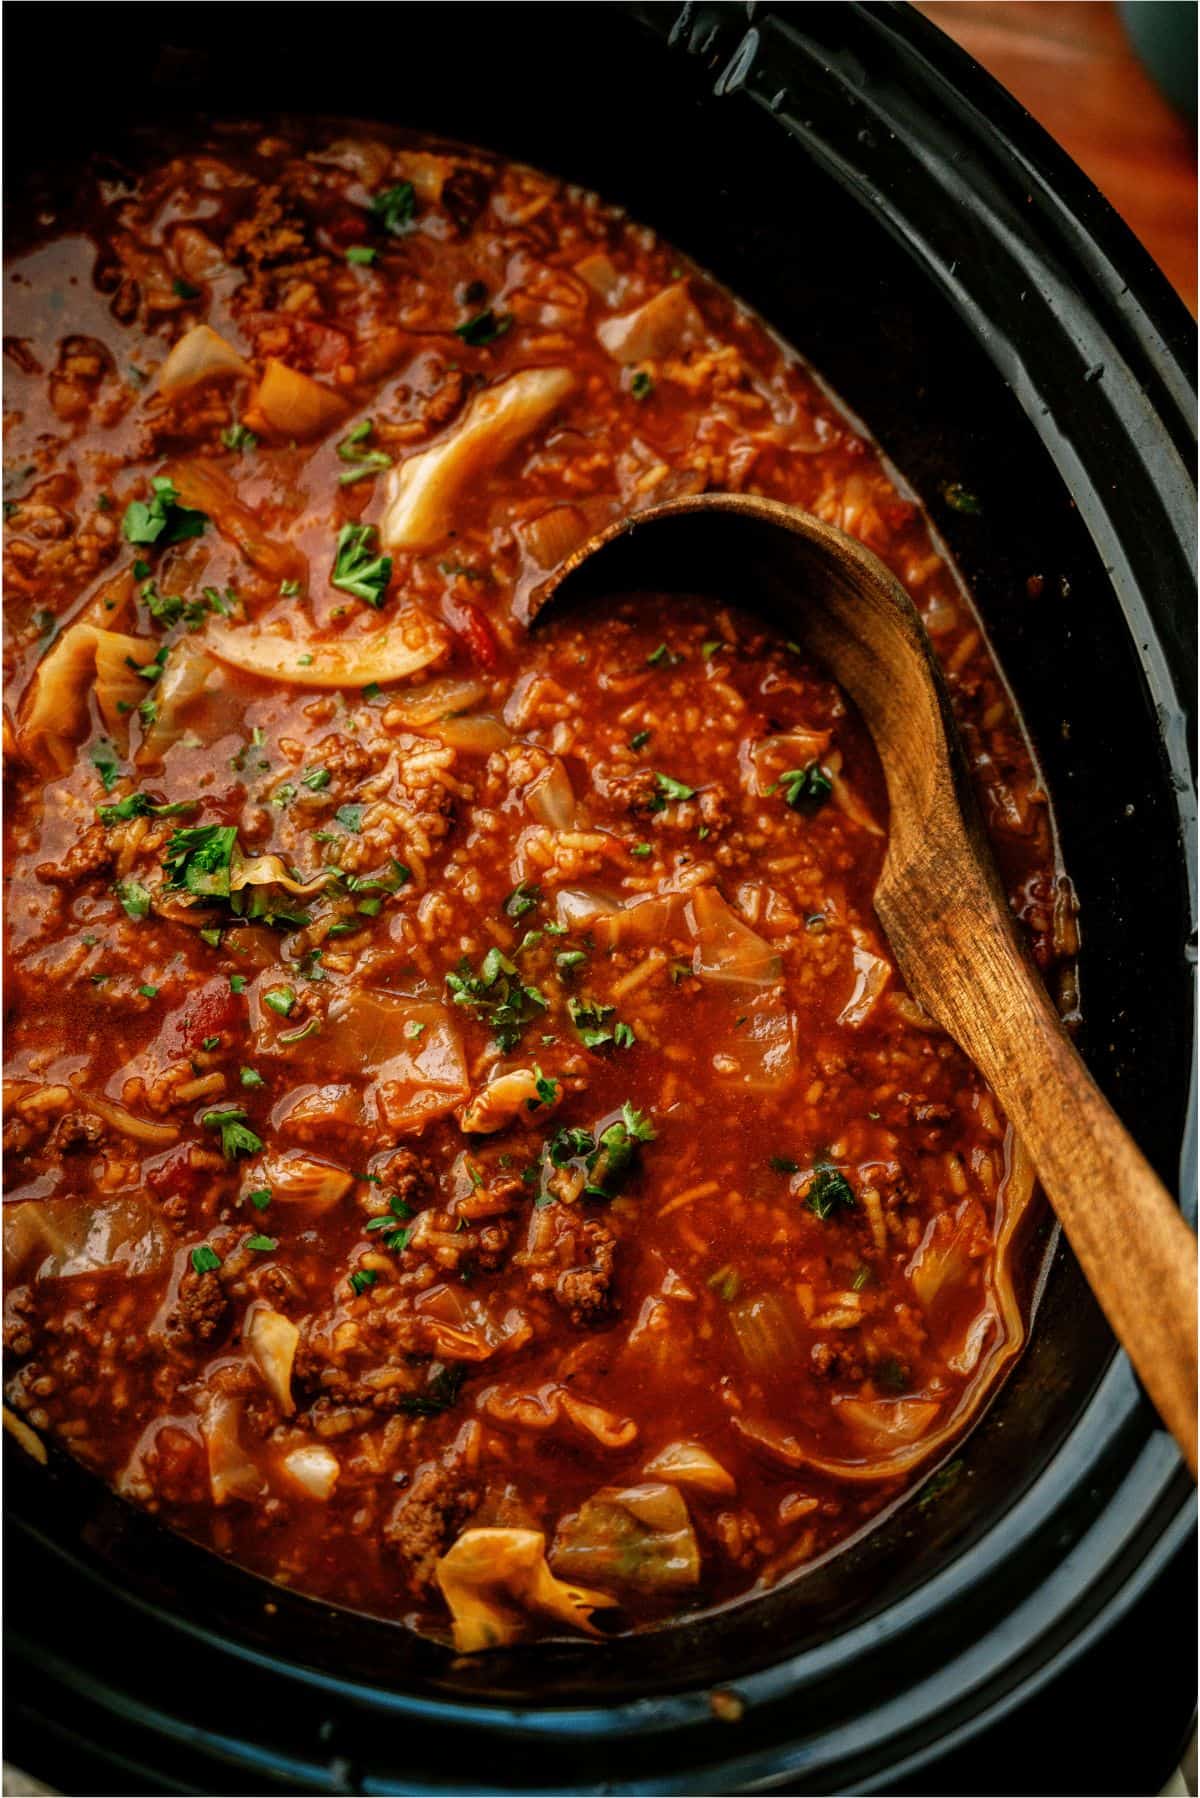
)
(1163, 32)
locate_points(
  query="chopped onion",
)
(643, 920)
(292, 405)
(601, 275)
(478, 734)
(640, 1536)
(687, 1464)
(200, 355)
(581, 906)
(423, 490)
(496, 1580)
(507, 1097)
(58, 1239)
(551, 797)
(183, 679)
(871, 975)
(727, 950)
(296, 1178)
(552, 536)
(408, 643)
(231, 1472)
(767, 1334)
(314, 1468)
(420, 706)
(272, 1340)
(657, 328)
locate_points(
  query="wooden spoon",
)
(938, 897)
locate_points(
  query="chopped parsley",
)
(662, 657)
(367, 461)
(497, 996)
(642, 385)
(355, 570)
(783, 1164)
(670, 788)
(624, 1036)
(205, 1260)
(148, 992)
(567, 960)
(961, 499)
(350, 817)
(260, 1198)
(806, 788)
(251, 1077)
(106, 762)
(547, 1093)
(361, 255)
(237, 983)
(395, 207)
(281, 999)
(161, 519)
(639, 740)
(238, 437)
(236, 1138)
(485, 327)
(362, 1277)
(588, 1017)
(828, 1192)
(612, 1158)
(315, 779)
(441, 1390)
(262, 1244)
(641, 849)
(199, 859)
(134, 897)
(522, 899)
(184, 289)
(136, 805)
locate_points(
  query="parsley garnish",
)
(199, 859)
(205, 1260)
(355, 570)
(615, 1149)
(134, 898)
(162, 519)
(674, 789)
(497, 996)
(106, 762)
(369, 461)
(236, 1138)
(395, 207)
(485, 327)
(441, 1391)
(184, 289)
(522, 899)
(238, 437)
(350, 817)
(642, 385)
(828, 1191)
(783, 1164)
(262, 1244)
(361, 255)
(280, 999)
(251, 1077)
(260, 1198)
(640, 740)
(806, 788)
(136, 805)
(588, 1018)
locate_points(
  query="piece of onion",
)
(552, 536)
(292, 405)
(205, 487)
(655, 329)
(186, 674)
(314, 1468)
(272, 1340)
(688, 1464)
(601, 275)
(496, 1580)
(423, 490)
(579, 907)
(391, 652)
(871, 975)
(761, 1045)
(410, 1048)
(200, 355)
(58, 1239)
(639, 1536)
(420, 706)
(727, 950)
(551, 797)
(296, 1178)
(767, 1334)
(478, 734)
(509, 1097)
(231, 1472)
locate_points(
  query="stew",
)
(470, 1154)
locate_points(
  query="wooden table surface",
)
(1070, 64)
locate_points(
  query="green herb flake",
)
(367, 461)
(641, 849)
(148, 991)
(350, 817)
(522, 899)
(262, 1245)
(361, 255)
(106, 762)
(260, 1198)
(236, 1138)
(161, 519)
(639, 740)
(250, 1077)
(497, 996)
(829, 1191)
(355, 570)
(807, 788)
(672, 789)
(395, 207)
(205, 1259)
(237, 437)
(641, 385)
(281, 999)
(961, 499)
(237, 983)
(184, 289)
(783, 1164)
(362, 1277)
(484, 327)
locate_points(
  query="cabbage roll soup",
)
(471, 1156)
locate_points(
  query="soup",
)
(470, 1153)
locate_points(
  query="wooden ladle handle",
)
(1132, 1242)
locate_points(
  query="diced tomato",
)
(212, 1008)
(172, 1173)
(476, 627)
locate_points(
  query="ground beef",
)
(200, 1309)
(403, 1175)
(76, 1131)
(428, 1517)
(445, 400)
(92, 853)
(571, 1258)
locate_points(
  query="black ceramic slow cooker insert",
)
(974, 300)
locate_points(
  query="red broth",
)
(470, 1153)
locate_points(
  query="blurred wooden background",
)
(1070, 64)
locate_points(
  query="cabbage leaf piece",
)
(639, 1536)
(407, 643)
(497, 1584)
(422, 490)
(85, 659)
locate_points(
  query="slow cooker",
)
(897, 217)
